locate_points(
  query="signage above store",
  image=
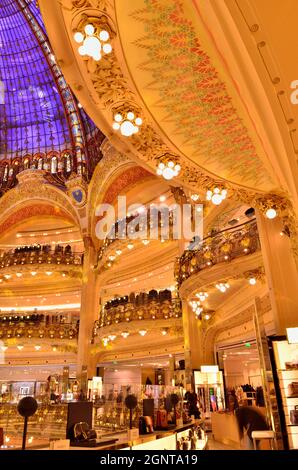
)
(209, 369)
(292, 334)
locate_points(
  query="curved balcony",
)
(151, 310)
(223, 247)
(40, 256)
(29, 330)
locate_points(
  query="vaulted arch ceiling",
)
(176, 62)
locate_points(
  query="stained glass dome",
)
(39, 116)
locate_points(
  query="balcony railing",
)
(23, 330)
(40, 257)
(153, 310)
(220, 248)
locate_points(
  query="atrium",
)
(148, 222)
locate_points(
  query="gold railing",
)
(40, 257)
(153, 310)
(220, 248)
(23, 330)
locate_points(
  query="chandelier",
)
(94, 42)
(216, 195)
(168, 167)
(127, 122)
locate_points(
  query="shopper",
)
(233, 402)
(250, 419)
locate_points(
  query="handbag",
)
(82, 432)
(294, 415)
(293, 389)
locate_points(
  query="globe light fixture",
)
(252, 281)
(168, 169)
(127, 123)
(93, 42)
(202, 296)
(216, 195)
(271, 213)
(222, 287)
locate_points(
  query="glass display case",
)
(210, 390)
(285, 363)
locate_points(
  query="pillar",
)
(281, 272)
(193, 346)
(89, 310)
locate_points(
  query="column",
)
(193, 348)
(281, 272)
(89, 310)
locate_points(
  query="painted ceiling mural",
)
(184, 91)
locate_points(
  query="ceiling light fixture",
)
(93, 42)
(271, 213)
(195, 197)
(216, 195)
(252, 281)
(222, 287)
(37, 347)
(20, 347)
(127, 122)
(143, 332)
(202, 296)
(125, 334)
(130, 246)
(33, 273)
(168, 167)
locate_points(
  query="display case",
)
(210, 390)
(285, 363)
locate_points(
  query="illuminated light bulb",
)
(4, 348)
(33, 273)
(19, 274)
(37, 347)
(209, 195)
(164, 332)
(168, 173)
(127, 128)
(20, 347)
(118, 117)
(54, 349)
(92, 45)
(7, 276)
(130, 246)
(162, 198)
(78, 37)
(112, 337)
(30, 440)
(119, 252)
(116, 126)
(7, 439)
(171, 164)
(125, 334)
(195, 197)
(112, 257)
(252, 281)
(89, 29)
(216, 190)
(104, 36)
(161, 166)
(146, 242)
(49, 273)
(139, 121)
(82, 50)
(207, 317)
(143, 332)
(130, 116)
(107, 48)
(271, 213)
(63, 275)
(216, 199)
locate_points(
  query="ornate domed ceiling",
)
(38, 113)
